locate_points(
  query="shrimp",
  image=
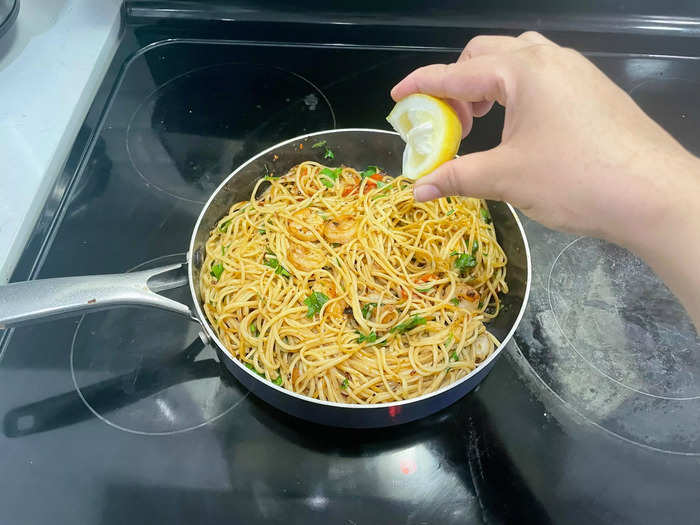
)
(298, 225)
(483, 346)
(468, 296)
(337, 308)
(304, 259)
(340, 230)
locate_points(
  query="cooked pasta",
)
(337, 285)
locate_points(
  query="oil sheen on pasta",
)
(337, 285)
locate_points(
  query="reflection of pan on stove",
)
(153, 376)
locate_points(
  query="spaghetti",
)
(337, 285)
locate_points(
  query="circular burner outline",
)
(131, 430)
(148, 97)
(595, 423)
(586, 360)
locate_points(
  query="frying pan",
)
(26, 302)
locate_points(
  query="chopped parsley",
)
(454, 356)
(450, 212)
(275, 265)
(262, 232)
(454, 301)
(463, 262)
(485, 215)
(423, 290)
(475, 247)
(369, 338)
(254, 330)
(319, 144)
(344, 384)
(329, 154)
(371, 170)
(329, 176)
(409, 325)
(368, 309)
(217, 270)
(315, 302)
(278, 381)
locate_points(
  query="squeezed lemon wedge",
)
(431, 130)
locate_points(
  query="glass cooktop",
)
(125, 416)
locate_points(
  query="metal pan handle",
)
(30, 301)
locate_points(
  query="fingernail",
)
(426, 192)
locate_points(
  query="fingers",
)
(476, 80)
(464, 112)
(491, 44)
(534, 37)
(479, 109)
(479, 174)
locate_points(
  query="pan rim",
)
(483, 366)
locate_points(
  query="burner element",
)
(194, 130)
(146, 371)
(623, 321)
(612, 344)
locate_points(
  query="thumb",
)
(479, 175)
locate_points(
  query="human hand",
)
(576, 154)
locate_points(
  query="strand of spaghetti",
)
(330, 315)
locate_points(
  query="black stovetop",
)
(591, 415)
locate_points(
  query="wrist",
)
(663, 208)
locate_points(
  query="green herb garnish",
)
(275, 264)
(464, 261)
(278, 381)
(423, 290)
(409, 325)
(368, 309)
(261, 232)
(254, 330)
(329, 176)
(475, 247)
(485, 215)
(369, 338)
(315, 302)
(448, 341)
(450, 212)
(319, 144)
(217, 270)
(329, 154)
(344, 384)
(454, 301)
(454, 357)
(371, 170)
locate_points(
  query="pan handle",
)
(30, 301)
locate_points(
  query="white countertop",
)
(51, 63)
